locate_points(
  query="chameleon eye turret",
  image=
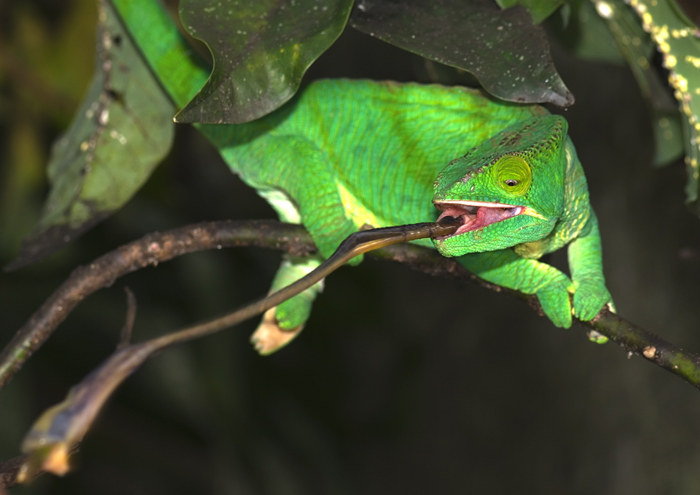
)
(513, 175)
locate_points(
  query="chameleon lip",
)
(475, 215)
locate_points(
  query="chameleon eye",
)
(513, 174)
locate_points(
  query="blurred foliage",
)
(638, 50)
(678, 40)
(121, 131)
(40, 93)
(373, 398)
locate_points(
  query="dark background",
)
(401, 383)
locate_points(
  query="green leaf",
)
(539, 9)
(502, 49)
(261, 50)
(122, 130)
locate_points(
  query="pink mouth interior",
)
(476, 217)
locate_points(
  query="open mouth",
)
(475, 215)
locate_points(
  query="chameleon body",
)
(342, 155)
(348, 154)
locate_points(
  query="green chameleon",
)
(343, 155)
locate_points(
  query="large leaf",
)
(539, 9)
(261, 50)
(502, 49)
(122, 130)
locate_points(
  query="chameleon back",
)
(382, 142)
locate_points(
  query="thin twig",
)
(125, 335)
(150, 250)
(64, 425)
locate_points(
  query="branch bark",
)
(158, 247)
(149, 250)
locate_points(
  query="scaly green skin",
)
(347, 154)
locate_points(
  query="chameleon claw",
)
(269, 337)
(597, 338)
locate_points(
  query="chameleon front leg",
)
(507, 269)
(586, 265)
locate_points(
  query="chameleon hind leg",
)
(280, 325)
(316, 203)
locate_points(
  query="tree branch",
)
(634, 339)
(149, 250)
(156, 248)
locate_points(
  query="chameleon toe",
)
(269, 337)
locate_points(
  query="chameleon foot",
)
(269, 337)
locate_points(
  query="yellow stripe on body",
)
(355, 210)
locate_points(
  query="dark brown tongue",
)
(449, 221)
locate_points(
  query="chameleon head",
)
(508, 190)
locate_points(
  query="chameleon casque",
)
(343, 155)
(346, 154)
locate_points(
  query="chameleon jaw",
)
(475, 215)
